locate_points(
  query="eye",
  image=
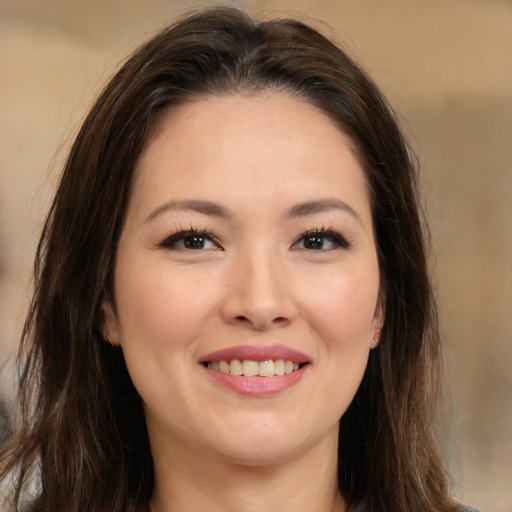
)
(191, 239)
(320, 240)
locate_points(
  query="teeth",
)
(279, 367)
(250, 368)
(223, 366)
(266, 368)
(235, 367)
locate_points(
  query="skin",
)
(257, 281)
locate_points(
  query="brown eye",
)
(190, 240)
(320, 240)
(194, 242)
(313, 242)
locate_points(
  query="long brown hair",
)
(81, 441)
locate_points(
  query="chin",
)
(273, 455)
(275, 446)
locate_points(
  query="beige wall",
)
(445, 64)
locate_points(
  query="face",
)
(246, 279)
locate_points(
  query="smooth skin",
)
(249, 224)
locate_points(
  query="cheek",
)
(342, 308)
(160, 309)
(162, 316)
(341, 315)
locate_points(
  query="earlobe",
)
(377, 324)
(375, 340)
(108, 324)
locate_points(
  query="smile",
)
(256, 370)
(252, 368)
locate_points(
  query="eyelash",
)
(325, 234)
(171, 241)
(203, 236)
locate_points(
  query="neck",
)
(186, 482)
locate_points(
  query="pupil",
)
(314, 242)
(194, 242)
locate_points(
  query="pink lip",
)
(256, 353)
(258, 386)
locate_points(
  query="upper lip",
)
(256, 353)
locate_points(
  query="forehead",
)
(250, 147)
(273, 113)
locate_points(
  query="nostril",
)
(279, 320)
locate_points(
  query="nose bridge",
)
(259, 293)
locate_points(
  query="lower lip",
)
(258, 386)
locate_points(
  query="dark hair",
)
(82, 427)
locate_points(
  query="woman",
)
(232, 307)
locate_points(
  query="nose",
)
(258, 293)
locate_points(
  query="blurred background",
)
(445, 65)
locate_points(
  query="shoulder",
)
(470, 509)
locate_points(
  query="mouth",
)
(253, 368)
(257, 370)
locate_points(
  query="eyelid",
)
(335, 238)
(332, 236)
(182, 234)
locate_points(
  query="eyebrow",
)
(320, 206)
(204, 207)
(215, 210)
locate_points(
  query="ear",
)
(377, 324)
(108, 324)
